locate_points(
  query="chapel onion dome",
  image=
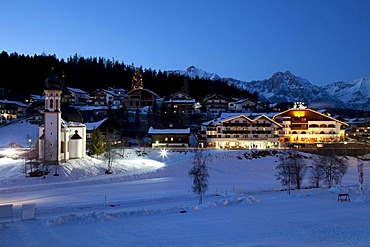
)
(53, 82)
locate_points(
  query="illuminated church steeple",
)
(137, 80)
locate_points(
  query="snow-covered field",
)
(144, 202)
(20, 133)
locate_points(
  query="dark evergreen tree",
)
(97, 143)
(93, 73)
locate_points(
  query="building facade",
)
(297, 126)
(306, 126)
(241, 131)
(169, 137)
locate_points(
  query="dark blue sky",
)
(320, 40)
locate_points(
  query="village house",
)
(138, 96)
(181, 103)
(12, 110)
(169, 137)
(246, 105)
(75, 96)
(109, 97)
(215, 104)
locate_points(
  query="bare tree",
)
(199, 173)
(334, 167)
(109, 152)
(316, 172)
(291, 169)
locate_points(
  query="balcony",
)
(261, 125)
(299, 127)
(236, 132)
(236, 124)
(261, 132)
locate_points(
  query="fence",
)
(6, 213)
(28, 212)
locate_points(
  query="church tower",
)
(50, 141)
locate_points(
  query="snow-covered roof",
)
(248, 114)
(75, 124)
(168, 131)
(182, 100)
(17, 103)
(76, 90)
(36, 97)
(94, 125)
(230, 115)
(94, 107)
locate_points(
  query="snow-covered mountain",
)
(286, 87)
(193, 72)
(355, 94)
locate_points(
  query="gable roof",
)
(16, 103)
(238, 115)
(312, 111)
(208, 97)
(76, 90)
(168, 131)
(142, 89)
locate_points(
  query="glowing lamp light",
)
(163, 153)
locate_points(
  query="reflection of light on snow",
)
(139, 164)
(9, 152)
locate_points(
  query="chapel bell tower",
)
(50, 147)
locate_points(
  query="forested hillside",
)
(22, 75)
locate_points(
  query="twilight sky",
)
(320, 40)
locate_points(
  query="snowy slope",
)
(21, 133)
(148, 202)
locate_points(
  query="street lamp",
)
(345, 147)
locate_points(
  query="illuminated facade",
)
(294, 126)
(240, 131)
(302, 125)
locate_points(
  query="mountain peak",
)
(194, 72)
(191, 68)
(287, 74)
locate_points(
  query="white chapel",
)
(59, 141)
